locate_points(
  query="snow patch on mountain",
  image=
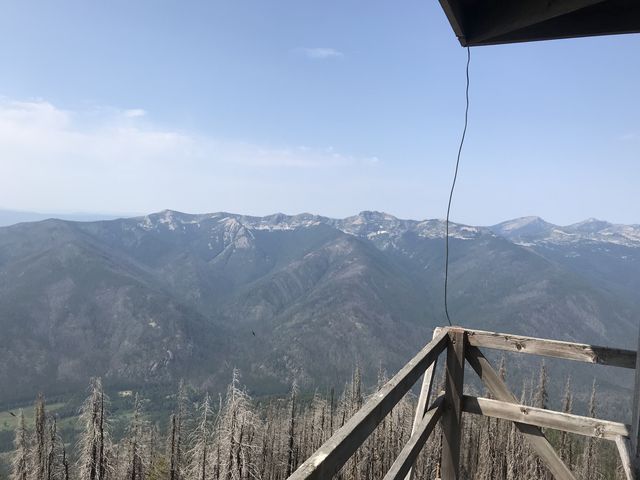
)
(385, 230)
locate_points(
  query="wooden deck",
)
(463, 345)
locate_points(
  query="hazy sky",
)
(329, 107)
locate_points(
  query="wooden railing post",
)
(462, 345)
(452, 418)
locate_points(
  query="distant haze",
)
(11, 217)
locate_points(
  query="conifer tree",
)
(57, 467)
(181, 418)
(292, 426)
(38, 466)
(173, 448)
(236, 429)
(566, 450)
(93, 463)
(541, 398)
(198, 467)
(589, 461)
(136, 435)
(20, 460)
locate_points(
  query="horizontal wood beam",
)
(335, 452)
(407, 457)
(587, 426)
(579, 352)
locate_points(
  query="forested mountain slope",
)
(283, 298)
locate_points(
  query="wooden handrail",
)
(335, 452)
(580, 352)
(463, 343)
(587, 426)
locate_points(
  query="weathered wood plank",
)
(553, 348)
(452, 415)
(334, 453)
(425, 389)
(423, 399)
(532, 434)
(425, 392)
(587, 426)
(402, 466)
(624, 449)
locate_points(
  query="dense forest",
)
(233, 437)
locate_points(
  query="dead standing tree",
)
(93, 463)
(176, 436)
(199, 461)
(20, 459)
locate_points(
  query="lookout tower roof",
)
(491, 22)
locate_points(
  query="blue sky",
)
(329, 107)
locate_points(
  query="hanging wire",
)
(453, 186)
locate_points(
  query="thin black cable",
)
(453, 186)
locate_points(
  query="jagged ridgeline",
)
(235, 437)
(143, 302)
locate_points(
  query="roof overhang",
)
(490, 22)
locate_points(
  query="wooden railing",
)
(463, 345)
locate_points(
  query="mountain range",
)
(303, 298)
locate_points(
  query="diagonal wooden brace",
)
(531, 433)
(423, 399)
(402, 466)
(626, 458)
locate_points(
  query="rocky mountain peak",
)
(590, 225)
(531, 226)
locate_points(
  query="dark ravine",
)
(170, 295)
